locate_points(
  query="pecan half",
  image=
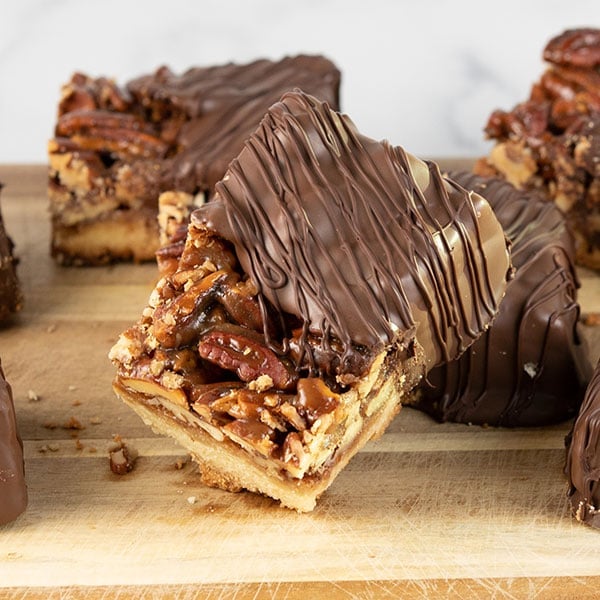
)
(122, 134)
(576, 47)
(243, 351)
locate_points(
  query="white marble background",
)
(423, 74)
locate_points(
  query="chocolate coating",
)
(583, 457)
(359, 239)
(523, 370)
(13, 492)
(222, 106)
(10, 290)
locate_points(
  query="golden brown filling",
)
(201, 348)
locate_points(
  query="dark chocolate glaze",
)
(359, 239)
(10, 290)
(222, 106)
(583, 457)
(13, 492)
(523, 370)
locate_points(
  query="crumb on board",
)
(591, 319)
(73, 423)
(122, 457)
(33, 396)
(180, 463)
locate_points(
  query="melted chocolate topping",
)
(13, 493)
(221, 106)
(583, 457)
(360, 240)
(523, 370)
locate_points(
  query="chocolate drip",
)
(362, 241)
(13, 493)
(222, 106)
(523, 370)
(583, 457)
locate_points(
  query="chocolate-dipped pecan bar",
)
(523, 371)
(551, 141)
(583, 457)
(116, 149)
(10, 288)
(329, 273)
(13, 491)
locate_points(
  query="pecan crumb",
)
(95, 420)
(122, 457)
(79, 444)
(50, 425)
(51, 328)
(180, 463)
(192, 499)
(592, 319)
(73, 423)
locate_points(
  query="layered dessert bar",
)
(551, 141)
(583, 457)
(116, 149)
(325, 278)
(13, 491)
(10, 290)
(524, 370)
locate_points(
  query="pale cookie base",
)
(120, 237)
(227, 465)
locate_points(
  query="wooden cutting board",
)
(429, 510)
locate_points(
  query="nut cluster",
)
(202, 344)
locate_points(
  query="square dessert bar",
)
(116, 149)
(551, 141)
(327, 275)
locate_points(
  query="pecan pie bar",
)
(326, 277)
(551, 141)
(116, 149)
(524, 370)
(10, 289)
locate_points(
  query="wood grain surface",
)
(429, 510)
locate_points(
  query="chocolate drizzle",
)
(583, 457)
(219, 107)
(523, 370)
(13, 493)
(360, 240)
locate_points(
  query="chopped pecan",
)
(528, 119)
(84, 92)
(576, 47)
(202, 248)
(121, 457)
(179, 321)
(255, 433)
(243, 351)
